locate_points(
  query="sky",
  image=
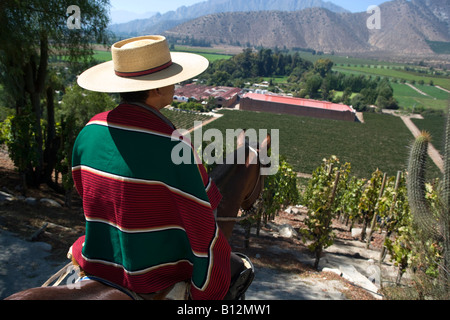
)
(141, 6)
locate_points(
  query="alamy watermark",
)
(73, 277)
(214, 151)
(74, 20)
(374, 21)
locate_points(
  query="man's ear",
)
(154, 92)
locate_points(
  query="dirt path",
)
(448, 91)
(24, 264)
(432, 152)
(418, 90)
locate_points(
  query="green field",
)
(341, 93)
(345, 60)
(382, 142)
(399, 74)
(435, 125)
(409, 98)
(102, 56)
(209, 53)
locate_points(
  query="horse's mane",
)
(220, 172)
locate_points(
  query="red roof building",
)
(296, 106)
(224, 96)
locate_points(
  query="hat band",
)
(143, 73)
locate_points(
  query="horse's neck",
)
(231, 179)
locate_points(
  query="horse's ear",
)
(265, 145)
(241, 139)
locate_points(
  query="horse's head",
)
(253, 163)
(240, 183)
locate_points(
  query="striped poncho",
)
(149, 222)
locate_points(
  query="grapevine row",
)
(379, 203)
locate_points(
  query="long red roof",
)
(299, 102)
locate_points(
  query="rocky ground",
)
(36, 231)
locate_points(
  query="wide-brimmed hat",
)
(140, 64)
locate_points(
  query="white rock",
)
(6, 196)
(356, 232)
(31, 201)
(287, 231)
(350, 273)
(50, 202)
(42, 246)
(333, 270)
(288, 210)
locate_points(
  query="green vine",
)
(319, 197)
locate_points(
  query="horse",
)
(246, 175)
(240, 186)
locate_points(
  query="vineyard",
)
(183, 119)
(381, 142)
(377, 201)
(380, 204)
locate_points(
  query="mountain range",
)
(405, 27)
(123, 16)
(163, 22)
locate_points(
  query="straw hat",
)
(140, 64)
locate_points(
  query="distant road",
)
(419, 91)
(432, 152)
(443, 89)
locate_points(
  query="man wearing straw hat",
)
(149, 222)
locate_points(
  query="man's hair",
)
(137, 96)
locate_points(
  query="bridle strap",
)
(254, 188)
(247, 212)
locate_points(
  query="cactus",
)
(432, 222)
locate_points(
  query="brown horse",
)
(245, 175)
(240, 186)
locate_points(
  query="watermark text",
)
(214, 151)
(74, 20)
(374, 21)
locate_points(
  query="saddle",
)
(181, 290)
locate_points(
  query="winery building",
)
(297, 106)
(223, 96)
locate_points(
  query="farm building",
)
(224, 96)
(297, 106)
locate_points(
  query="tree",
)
(221, 78)
(77, 108)
(385, 98)
(347, 95)
(323, 67)
(313, 84)
(32, 30)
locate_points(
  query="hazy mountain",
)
(123, 16)
(406, 26)
(162, 22)
(439, 8)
